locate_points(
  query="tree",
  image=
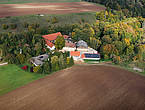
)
(5, 26)
(46, 67)
(59, 43)
(37, 69)
(71, 62)
(107, 39)
(116, 59)
(54, 63)
(54, 20)
(13, 26)
(21, 58)
(61, 62)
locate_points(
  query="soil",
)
(47, 8)
(87, 87)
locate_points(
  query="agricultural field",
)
(34, 1)
(12, 77)
(92, 87)
(47, 8)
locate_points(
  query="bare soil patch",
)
(47, 8)
(93, 87)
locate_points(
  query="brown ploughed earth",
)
(94, 87)
(47, 8)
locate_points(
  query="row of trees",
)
(26, 25)
(57, 61)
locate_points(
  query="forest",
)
(129, 7)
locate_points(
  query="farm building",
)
(76, 55)
(81, 44)
(90, 57)
(84, 56)
(50, 39)
(81, 52)
(38, 61)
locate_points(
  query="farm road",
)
(94, 87)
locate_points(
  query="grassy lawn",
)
(34, 1)
(12, 77)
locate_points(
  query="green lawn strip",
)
(126, 67)
(12, 77)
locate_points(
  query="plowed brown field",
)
(47, 8)
(80, 88)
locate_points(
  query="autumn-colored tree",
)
(54, 20)
(21, 58)
(116, 59)
(59, 43)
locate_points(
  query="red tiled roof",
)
(65, 36)
(51, 37)
(83, 56)
(50, 44)
(69, 44)
(74, 53)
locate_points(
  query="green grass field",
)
(34, 1)
(12, 77)
(63, 20)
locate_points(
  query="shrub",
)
(54, 20)
(25, 67)
(13, 26)
(26, 25)
(46, 68)
(5, 26)
(20, 58)
(10, 58)
(40, 70)
(35, 25)
(48, 19)
(106, 57)
(116, 59)
(71, 63)
(54, 63)
(68, 61)
(36, 69)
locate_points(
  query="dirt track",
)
(80, 88)
(47, 8)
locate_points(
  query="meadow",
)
(46, 20)
(12, 77)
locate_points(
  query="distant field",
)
(12, 77)
(48, 8)
(34, 1)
